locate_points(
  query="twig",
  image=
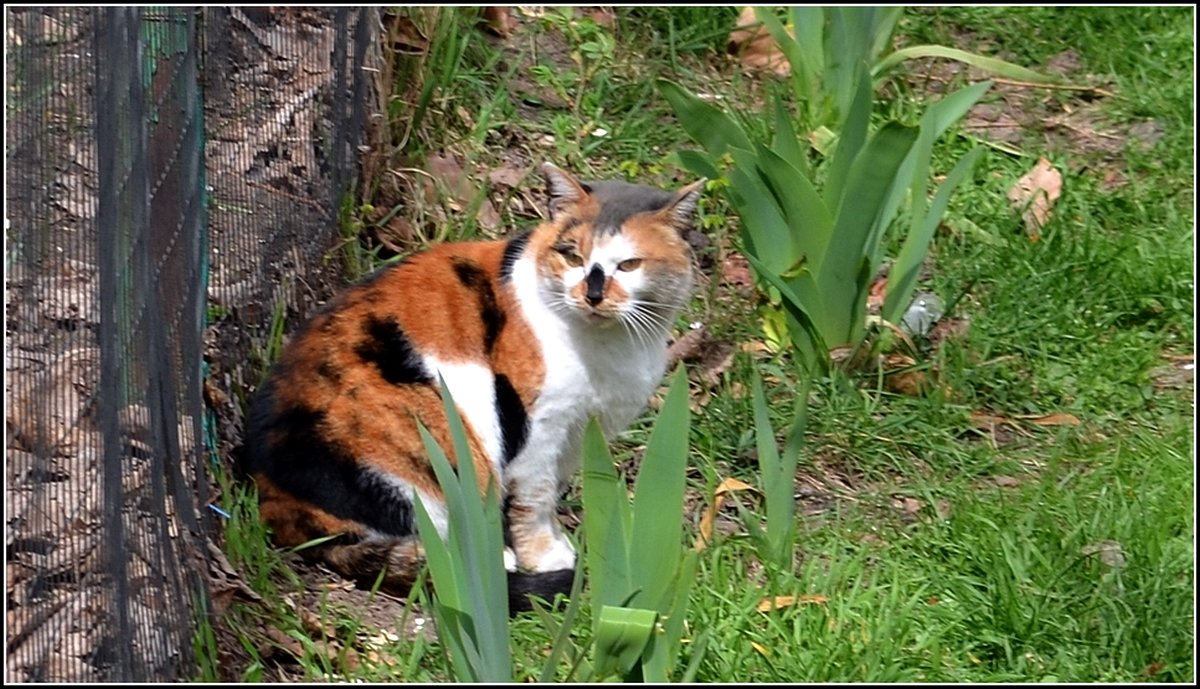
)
(1033, 84)
(1057, 87)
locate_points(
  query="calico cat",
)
(533, 336)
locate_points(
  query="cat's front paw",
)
(559, 554)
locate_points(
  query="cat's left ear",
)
(682, 209)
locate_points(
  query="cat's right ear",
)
(564, 189)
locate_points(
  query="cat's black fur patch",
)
(512, 252)
(387, 347)
(514, 422)
(620, 201)
(329, 371)
(522, 585)
(473, 278)
(305, 465)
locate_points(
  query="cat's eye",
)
(629, 264)
(568, 252)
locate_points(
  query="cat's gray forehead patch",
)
(620, 200)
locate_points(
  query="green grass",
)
(995, 569)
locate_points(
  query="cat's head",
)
(614, 252)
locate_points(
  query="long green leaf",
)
(437, 556)
(805, 213)
(808, 26)
(841, 278)
(849, 47)
(796, 306)
(605, 514)
(786, 143)
(778, 478)
(913, 178)
(851, 139)
(560, 632)
(661, 655)
(989, 64)
(764, 229)
(658, 498)
(787, 45)
(698, 163)
(903, 277)
(883, 28)
(622, 635)
(711, 128)
(482, 539)
(951, 108)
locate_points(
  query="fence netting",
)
(173, 184)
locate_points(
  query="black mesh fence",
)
(173, 184)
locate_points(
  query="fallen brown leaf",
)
(444, 168)
(686, 347)
(499, 20)
(876, 294)
(1034, 195)
(948, 329)
(1006, 481)
(507, 175)
(777, 602)
(602, 16)
(729, 485)
(1113, 179)
(735, 270)
(755, 47)
(487, 217)
(280, 641)
(1111, 553)
(1146, 134)
(1178, 374)
(901, 379)
(1055, 419)
(404, 36)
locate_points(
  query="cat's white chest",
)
(588, 371)
(606, 374)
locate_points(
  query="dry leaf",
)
(1146, 134)
(1034, 195)
(1056, 419)
(901, 378)
(1111, 553)
(487, 217)
(1113, 179)
(1006, 481)
(735, 270)
(760, 648)
(876, 294)
(729, 485)
(603, 16)
(280, 641)
(507, 175)
(686, 347)
(755, 47)
(1178, 374)
(776, 602)
(948, 329)
(499, 20)
(404, 35)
